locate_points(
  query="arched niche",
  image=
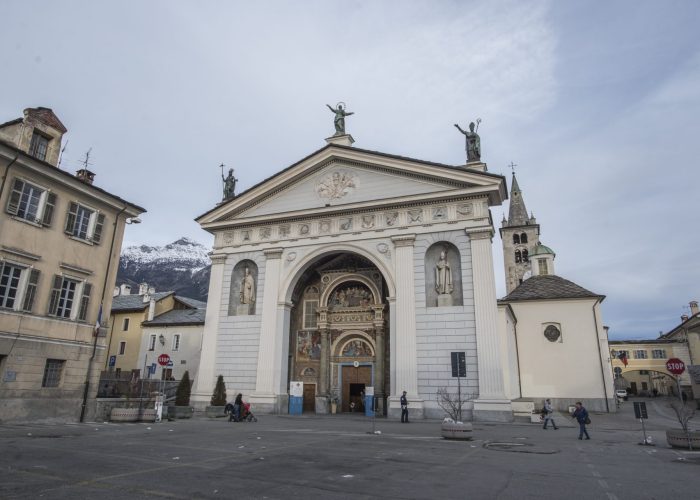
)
(453, 261)
(244, 289)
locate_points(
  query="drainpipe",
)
(600, 358)
(96, 335)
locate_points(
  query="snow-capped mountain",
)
(182, 266)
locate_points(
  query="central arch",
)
(338, 347)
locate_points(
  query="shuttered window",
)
(30, 292)
(84, 223)
(31, 202)
(9, 284)
(39, 146)
(84, 302)
(62, 296)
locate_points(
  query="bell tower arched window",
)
(516, 239)
(518, 257)
(525, 255)
(523, 238)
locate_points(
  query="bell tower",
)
(520, 234)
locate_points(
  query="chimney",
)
(125, 289)
(146, 297)
(151, 309)
(694, 307)
(684, 318)
(143, 288)
(151, 290)
(85, 175)
(115, 292)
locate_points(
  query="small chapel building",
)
(355, 271)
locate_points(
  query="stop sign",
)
(163, 359)
(675, 366)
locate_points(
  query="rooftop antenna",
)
(60, 155)
(86, 162)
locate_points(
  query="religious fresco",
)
(351, 296)
(308, 345)
(357, 348)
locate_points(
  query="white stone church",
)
(354, 269)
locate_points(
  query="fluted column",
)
(269, 350)
(492, 403)
(204, 379)
(406, 351)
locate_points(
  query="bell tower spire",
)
(520, 234)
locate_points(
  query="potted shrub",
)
(452, 403)
(218, 400)
(182, 398)
(683, 438)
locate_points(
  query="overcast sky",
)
(596, 102)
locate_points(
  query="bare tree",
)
(452, 403)
(684, 412)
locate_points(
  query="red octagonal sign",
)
(163, 359)
(675, 366)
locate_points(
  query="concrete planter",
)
(215, 411)
(457, 430)
(678, 438)
(132, 415)
(180, 412)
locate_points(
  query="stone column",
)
(269, 351)
(492, 403)
(379, 363)
(205, 378)
(405, 347)
(324, 369)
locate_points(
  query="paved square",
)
(338, 457)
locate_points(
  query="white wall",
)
(567, 370)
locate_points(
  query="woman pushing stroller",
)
(240, 411)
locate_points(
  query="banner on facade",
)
(296, 389)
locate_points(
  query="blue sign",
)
(152, 369)
(170, 363)
(112, 360)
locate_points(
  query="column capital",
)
(479, 234)
(217, 258)
(273, 253)
(406, 240)
(286, 305)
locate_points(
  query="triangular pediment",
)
(337, 177)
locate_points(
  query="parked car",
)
(622, 394)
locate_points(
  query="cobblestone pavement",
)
(339, 457)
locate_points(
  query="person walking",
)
(404, 408)
(549, 414)
(581, 416)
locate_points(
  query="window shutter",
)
(55, 294)
(84, 302)
(15, 197)
(30, 293)
(70, 219)
(48, 209)
(97, 233)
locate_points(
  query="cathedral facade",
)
(352, 270)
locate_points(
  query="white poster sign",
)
(296, 389)
(369, 391)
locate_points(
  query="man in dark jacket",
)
(404, 408)
(581, 416)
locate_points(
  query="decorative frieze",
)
(372, 221)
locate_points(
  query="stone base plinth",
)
(322, 405)
(341, 139)
(275, 404)
(415, 409)
(243, 310)
(444, 300)
(492, 410)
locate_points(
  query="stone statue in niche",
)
(443, 280)
(247, 288)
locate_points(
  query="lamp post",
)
(132, 220)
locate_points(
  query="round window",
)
(552, 333)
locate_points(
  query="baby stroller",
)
(246, 414)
